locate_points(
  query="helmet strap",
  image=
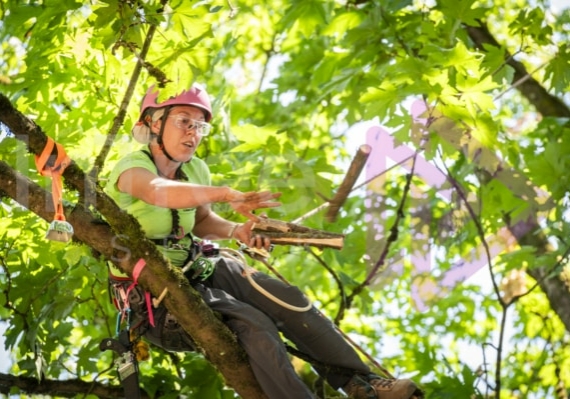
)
(159, 140)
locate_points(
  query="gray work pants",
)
(256, 320)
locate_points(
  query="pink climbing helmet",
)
(196, 96)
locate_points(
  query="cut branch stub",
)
(284, 233)
(345, 188)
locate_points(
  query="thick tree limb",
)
(529, 232)
(61, 388)
(545, 103)
(125, 243)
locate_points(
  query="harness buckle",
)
(126, 365)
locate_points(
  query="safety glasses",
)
(185, 123)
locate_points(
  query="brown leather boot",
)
(375, 387)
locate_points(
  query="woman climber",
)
(168, 189)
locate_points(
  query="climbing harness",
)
(52, 162)
(124, 294)
(136, 308)
(203, 265)
(200, 264)
(124, 346)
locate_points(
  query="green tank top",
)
(157, 221)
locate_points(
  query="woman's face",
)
(181, 136)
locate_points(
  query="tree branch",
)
(347, 184)
(545, 103)
(529, 232)
(120, 118)
(124, 243)
(61, 388)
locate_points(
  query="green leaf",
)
(530, 22)
(382, 100)
(252, 137)
(343, 22)
(305, 16)
(459, 57)
(557, 71)
(494, 64)
(467, 11)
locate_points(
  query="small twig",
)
(269, 53)
(478, 226)
(312, 212)
(547, 275)
(39, 292)
(233, 9)
(121, 115)
(391, 238)
(403, 161)
(499, 360)
(386, 373)
(8, 287)
(503, 304)
(520, 81)
(394, 229)
(342, 306)
(485, 371)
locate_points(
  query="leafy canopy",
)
(291, 81)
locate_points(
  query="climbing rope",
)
(248, 272)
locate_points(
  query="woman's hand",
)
(244, 234)
(246, 203)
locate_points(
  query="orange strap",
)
(55, 172)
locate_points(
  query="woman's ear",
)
(155, 126)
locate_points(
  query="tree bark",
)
(285, 233)
(544, 102)
(528, 232)
(123, 242)
(60, 388)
